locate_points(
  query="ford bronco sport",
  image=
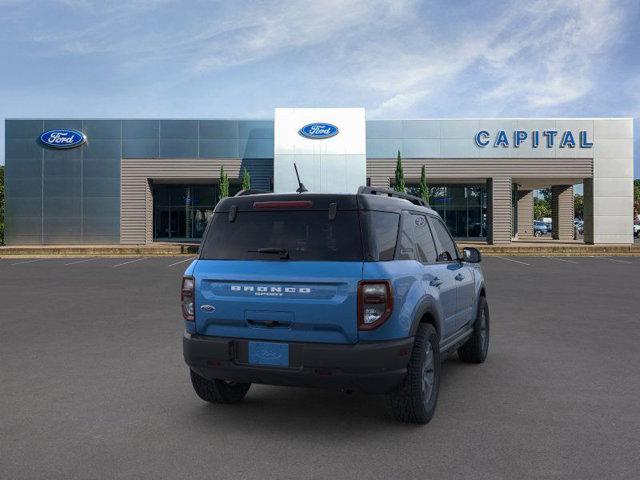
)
(363, 291)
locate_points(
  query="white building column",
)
(610, 198)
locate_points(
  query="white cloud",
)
(551, 60)
(316, 26)
(400, 102)
(394, 55)
(529, 59)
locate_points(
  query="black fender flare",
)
(427, 306)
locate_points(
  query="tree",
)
(542, 204)
(399, 184)
(424, 190)
(541, 208)
(224, 184)
(546, 194)
(578, 206)
(246, 179)
(1, 204)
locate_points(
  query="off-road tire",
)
(413, 401)
(218, 391)
(475, 349)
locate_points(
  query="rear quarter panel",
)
(410, 293)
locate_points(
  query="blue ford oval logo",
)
(318, 130)
(62, 138)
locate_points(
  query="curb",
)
(98, 251)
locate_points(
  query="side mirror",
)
(471, 255)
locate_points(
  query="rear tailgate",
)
(282, 300)
(281, 267)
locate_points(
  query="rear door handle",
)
(436, 282)
(459, 277)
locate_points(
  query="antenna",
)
(301, 188)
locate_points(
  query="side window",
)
(406, 241)
(426, 249)
(446, 246)
(385, 232)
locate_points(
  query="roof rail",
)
(250, 191)
(392, 193)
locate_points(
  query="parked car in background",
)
(539, 228)
(580, 227)
(636, 230)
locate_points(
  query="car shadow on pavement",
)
(307, 411)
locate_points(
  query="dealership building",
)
(138, 181)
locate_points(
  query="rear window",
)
(304, 234)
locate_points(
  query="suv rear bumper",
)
(372, 367)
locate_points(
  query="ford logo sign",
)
(62, 138)
(318, 130)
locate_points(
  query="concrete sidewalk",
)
(102, 250)
(532, 248)
(545, 247)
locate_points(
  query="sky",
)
(242, 59)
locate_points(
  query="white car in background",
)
(636, 229)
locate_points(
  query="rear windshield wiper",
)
(283, 252)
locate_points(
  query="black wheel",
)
(414, 401)
(537, 233)
(218, 391)
(476, 348)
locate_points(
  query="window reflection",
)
(462, 207)
(181, 211)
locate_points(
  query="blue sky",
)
(399, 59)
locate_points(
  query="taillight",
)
(375, 303)
(187, 298)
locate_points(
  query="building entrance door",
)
(181, 211)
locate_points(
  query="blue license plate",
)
(267, 353)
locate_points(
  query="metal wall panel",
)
(562, 211)
(379, 171)
(61, 181)
(136, 201)
(499, 190)
(525, 215)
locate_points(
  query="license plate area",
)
(268, 353)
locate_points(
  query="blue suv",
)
(363, 291)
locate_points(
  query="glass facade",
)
(73, 196)
(181, 211)
(462, 207)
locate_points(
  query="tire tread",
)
(218, 391)
(406, 401)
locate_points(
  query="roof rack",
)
(392, 193)
(250, 191)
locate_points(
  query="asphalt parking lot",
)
(92, 385)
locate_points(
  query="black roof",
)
(321, 201)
